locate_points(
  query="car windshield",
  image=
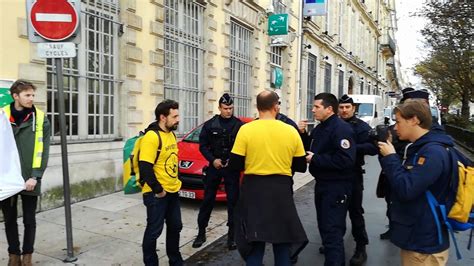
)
(365, 109)
(194, 135)
(387, 112)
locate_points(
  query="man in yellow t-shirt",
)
(268, 150)
(161, 184)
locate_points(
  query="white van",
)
(369, 109)
(389, 115)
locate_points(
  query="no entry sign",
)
(53, 20)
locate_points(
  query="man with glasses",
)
(32, 133)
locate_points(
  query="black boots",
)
(360, 256)
(231, 239)
(200, 239)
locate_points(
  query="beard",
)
(172, 127)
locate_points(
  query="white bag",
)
(11, 181)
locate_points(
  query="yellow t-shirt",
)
(268, 146)
(166, 167)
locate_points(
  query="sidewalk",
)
(109, 230)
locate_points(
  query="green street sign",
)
(277, 77)
(278, 24)
(5, 97)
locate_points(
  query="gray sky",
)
(408, 36)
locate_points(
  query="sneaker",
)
(360, 256)
(385, 235)
(200, 239)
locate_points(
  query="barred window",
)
(311, 89)
(327, 77)
(275, 55)
(184, 59)
(279, 7)
(240, 68)
(275, 62)
(90, 112)
(361, 87)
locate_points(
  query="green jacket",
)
(25, 142)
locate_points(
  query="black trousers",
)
(10, 214)
(212, 180)
(356, 212)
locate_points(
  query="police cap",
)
(226, 99)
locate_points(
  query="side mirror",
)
(386, 120)
(375, 114)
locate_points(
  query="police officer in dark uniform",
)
(364, 146)
(331, 157)
(215, 143)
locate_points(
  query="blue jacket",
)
(427, 167)
(333, 145)
(364, 146)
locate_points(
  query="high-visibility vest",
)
(38, 120)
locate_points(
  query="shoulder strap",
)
(160, 144)
(433, 204)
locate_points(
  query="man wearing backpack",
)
(215, 143)
(161, 185)
(427, 167)
(32, 136)
(408, 95)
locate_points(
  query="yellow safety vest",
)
(38, 127)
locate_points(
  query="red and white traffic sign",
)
(53, 20)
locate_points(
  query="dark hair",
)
(328, 99)
(418, 108)
(21, 85)
(266, 100)
(164, 107)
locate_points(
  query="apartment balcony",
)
(388, 46)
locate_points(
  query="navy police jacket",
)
(333, 145)
(427, 167)
(364, 146)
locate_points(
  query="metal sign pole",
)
(67, 193)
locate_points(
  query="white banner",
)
(11, 181)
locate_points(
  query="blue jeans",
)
(158, 211)
(281, 254)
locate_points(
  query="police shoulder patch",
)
(421, 160)
(345, 144)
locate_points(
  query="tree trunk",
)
(465, 107)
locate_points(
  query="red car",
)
(191, 165)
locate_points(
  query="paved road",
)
(380, 252)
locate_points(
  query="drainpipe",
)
(299, 59)
(377, 51)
